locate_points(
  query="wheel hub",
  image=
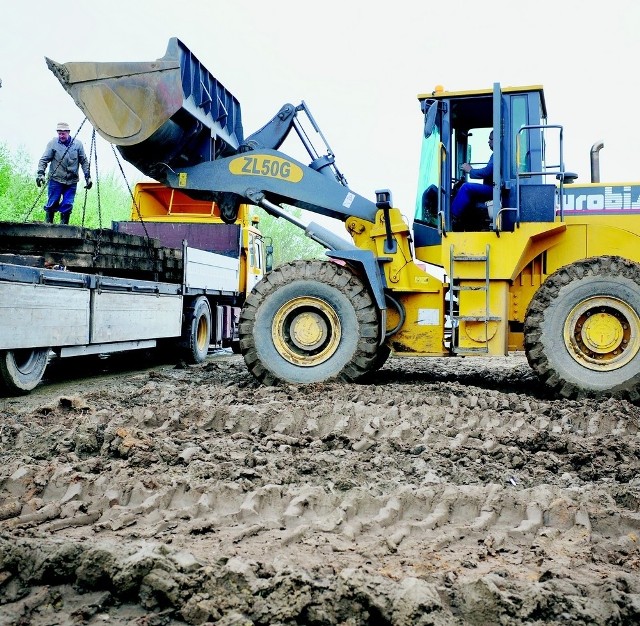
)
(603, 333)
(306, 331)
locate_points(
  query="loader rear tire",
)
(22, 370)
(196, 331)
(582, 329)
(308, 322)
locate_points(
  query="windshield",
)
(427, 199)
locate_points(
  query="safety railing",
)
(556, 170)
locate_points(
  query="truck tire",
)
(196, 332)
(308, 322)
(22, 370)
(582, 329)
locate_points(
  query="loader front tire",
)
(382, 355)
(582, 329)
(22, 370)
(308, 322)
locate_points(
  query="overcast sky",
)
(357, 65)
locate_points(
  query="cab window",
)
(521, 157)
(252, 251)
(427, 199)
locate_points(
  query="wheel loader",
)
(546, 265)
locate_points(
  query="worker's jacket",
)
(64, 161)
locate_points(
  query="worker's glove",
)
(88, 183)
(40, 180)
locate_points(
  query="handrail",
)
(442, 226)
(559, 173)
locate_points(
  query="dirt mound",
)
(442, 491)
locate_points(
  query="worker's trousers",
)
(60, 198)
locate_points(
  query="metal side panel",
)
(211, 271)
(38, 316)
(129, 316)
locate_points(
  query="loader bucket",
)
(160, 114)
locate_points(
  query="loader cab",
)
(456, 126)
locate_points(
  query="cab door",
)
(498, 156)
(434, 183)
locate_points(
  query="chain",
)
(135, 204)
(94, 151)
(86, 191)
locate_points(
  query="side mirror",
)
(567, 177)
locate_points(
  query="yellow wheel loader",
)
(535, 263)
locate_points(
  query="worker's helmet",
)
(63, 126)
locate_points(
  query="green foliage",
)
(22, 201)
(18, 189)
(107, 201)
(289, 241)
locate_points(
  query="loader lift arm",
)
(262, 175)
(257, 174)
(274, 132)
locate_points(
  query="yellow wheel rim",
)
(306, 331)
(602, 333)
(202, 333)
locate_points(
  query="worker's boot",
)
(49, 216)
(64, 217)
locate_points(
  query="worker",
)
(64, 155)
(471, 194)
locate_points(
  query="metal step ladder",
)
(457, 290)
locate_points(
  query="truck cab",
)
(456, 127)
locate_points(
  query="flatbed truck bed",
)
(75, 313)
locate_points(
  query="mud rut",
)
(445, 491)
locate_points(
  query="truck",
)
(173, 277)
(547, 266)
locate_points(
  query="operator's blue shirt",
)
(486, 172)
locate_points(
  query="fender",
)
(371, 269)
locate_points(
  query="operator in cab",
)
(470, 194)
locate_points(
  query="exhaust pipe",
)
(595, 161)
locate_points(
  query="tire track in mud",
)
(466, 492)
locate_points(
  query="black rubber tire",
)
(383, 353)
(326, 292)
(196, 331)
(553, 327)
(22, 370)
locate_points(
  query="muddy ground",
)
(444, 491)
